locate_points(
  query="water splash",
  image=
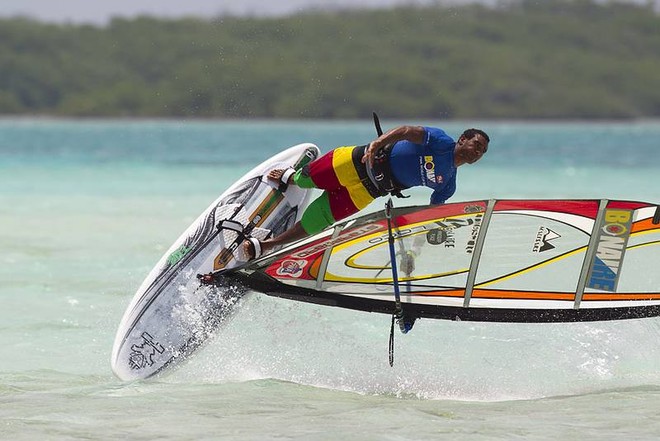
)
(347, 350)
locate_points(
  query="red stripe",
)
(341, 204)
(323, 174)
(578, 207)
(324, 177)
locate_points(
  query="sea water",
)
(88, 207)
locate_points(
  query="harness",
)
(381, 170)
(378, 179)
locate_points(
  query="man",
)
(352, 177)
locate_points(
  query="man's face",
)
(473, 149)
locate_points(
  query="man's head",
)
(471, 146)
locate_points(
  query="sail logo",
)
(543, 238)
(472, 209)
(291, 268)
(474, 222)
(613, 234)
(438, 236)
(474, 234)
(455, 223)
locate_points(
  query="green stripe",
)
(318, 215)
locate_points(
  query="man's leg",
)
(330, 172)
(316, 217)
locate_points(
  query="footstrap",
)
(284, 179)
(287, 174)
(232, 225)
(256, 244)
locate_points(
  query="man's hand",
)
(369, 153)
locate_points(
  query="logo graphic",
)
(472, 209)
(429, 168)
(291, 268)
(143, 354)
(439, 236)
(455, 223)
(436, 236)
(469, 248)
(177, 255)
(543, 238)
(613, 235)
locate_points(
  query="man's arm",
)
(414, 134)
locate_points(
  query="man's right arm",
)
(414, 134)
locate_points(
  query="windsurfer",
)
(352, 177)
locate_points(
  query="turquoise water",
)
(88, 207)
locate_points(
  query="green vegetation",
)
(522, 59)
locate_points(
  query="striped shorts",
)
(347, 187)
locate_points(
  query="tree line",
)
(518, 59)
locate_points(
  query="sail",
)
(485, 260)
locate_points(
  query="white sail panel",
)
(508, 260)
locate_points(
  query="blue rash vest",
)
(430, 164)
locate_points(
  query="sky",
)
(100, 12)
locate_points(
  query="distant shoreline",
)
(533, 61)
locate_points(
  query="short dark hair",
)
(471, 133)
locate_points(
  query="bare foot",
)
(248, 248)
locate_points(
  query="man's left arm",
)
(440, 196)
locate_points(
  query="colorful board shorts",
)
(348, 188)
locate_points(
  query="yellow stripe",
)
(342, 162)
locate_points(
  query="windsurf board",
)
(173, 313)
